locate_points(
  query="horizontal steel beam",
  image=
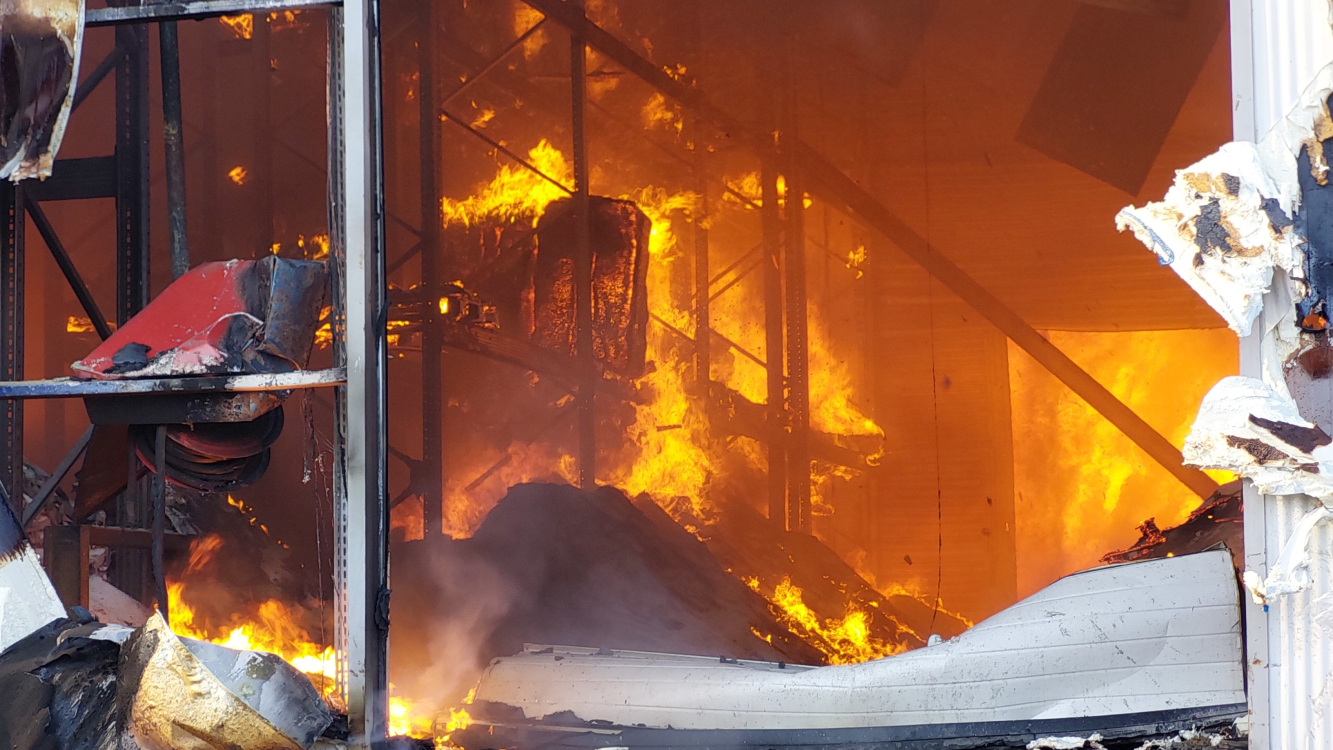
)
(191, 10)
(76, 179)
(75, 388)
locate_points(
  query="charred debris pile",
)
(562, 566)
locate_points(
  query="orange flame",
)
(657, 112)
(243, 25)
(525, 17)
(272, 628)
(79, 324)
(1083, 487)
(516, 192)
(843, 641)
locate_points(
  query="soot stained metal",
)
(40, 41)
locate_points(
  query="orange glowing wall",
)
(1082, 486)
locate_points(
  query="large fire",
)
(674, 455)
(276, 627)
(273, 626)
(1082, 486)
(1085, 468)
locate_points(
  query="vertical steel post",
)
(702, 324)
(160, 520)
(263, 129)
(776, 413)
(174, 141)
(356, 227)
(583, 301)
(129, 567)
(132, 180)
(703, 336)
(12, 221)
(798, 365)
(432, 332)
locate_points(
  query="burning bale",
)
(618, 235)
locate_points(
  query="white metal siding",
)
(1277, 47)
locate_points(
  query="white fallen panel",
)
(1136, 649)
(27, 599)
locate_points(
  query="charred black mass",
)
(1209, 234)
(1304, 439)
(1315, 217)
(35, 70)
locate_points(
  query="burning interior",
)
(823, 305)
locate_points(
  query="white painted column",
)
(1277, 46)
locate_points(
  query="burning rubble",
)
(89, 686)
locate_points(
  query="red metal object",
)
(192, 317)
(230, 317)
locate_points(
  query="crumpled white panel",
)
(1227, 228)
(1225, 436)
(1223, 227)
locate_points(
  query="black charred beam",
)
(12, 223)
(583, 281)
(67, 267)
(186, 11)
(174, 142)
(76, 179)
(775, 421)
(88, 85)
(429, 475)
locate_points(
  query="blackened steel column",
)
(12, 221)
(798, 364)
(583, 302)
(776, 413)
(432, 332)
(130, 567)
(160, 521)
(132, 178)
(702, 331)
(174, 141)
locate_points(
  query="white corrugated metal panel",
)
(1300, 648)
(1277, 48)
(1154, 637)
